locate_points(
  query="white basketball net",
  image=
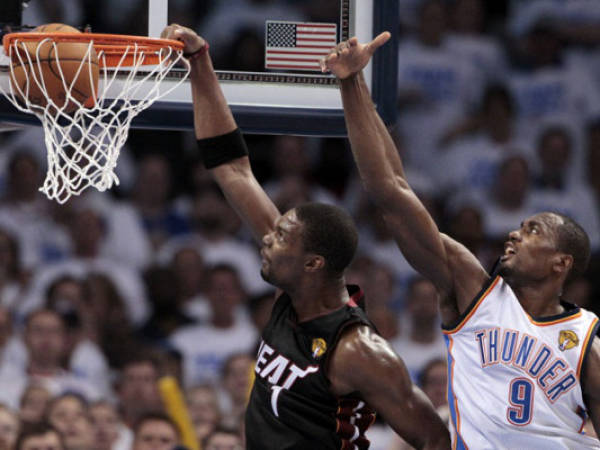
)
(83, 146)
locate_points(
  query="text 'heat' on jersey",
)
(291, 405)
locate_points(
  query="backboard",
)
(269, 101)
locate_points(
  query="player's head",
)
(546, 246)
(312, 238)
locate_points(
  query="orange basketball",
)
(54, 59)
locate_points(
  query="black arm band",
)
(219, 150)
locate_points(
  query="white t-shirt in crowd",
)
(415, 354)
(125, 239)
(205, 348)
(40, 239)
(13, 356)
(127, 281)
(386, 253)
(499, 221)
(556, 93)
(240, 255)
(473, 162)
(577, 202)
(14, 383)
(87, 363)
(447, 86)
(524, 14)
(125, 439)
(197, 308)
(485, 53)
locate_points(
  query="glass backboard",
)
(264, 100)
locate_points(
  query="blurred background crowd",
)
(498, 118)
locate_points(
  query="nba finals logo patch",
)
(567, 339)
(318, 348)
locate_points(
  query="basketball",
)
(57, 62)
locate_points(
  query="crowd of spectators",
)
(498, 118)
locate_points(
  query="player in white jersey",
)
(524, 366)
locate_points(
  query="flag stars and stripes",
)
(298, 45)
(281, 35)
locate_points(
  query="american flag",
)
(298, 45)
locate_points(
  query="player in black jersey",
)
(321, 367)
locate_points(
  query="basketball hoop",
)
(84, 136)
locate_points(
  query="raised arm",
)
(449, 265)
(364, 362)
(216, 132)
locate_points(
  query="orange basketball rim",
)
(84, 137)
(112, 49)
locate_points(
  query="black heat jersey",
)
(291, 406)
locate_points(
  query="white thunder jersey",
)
(514, 381)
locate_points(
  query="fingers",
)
(186, 35)
(351, 52)
(178, 32)
(333, 52)
(328, 60)
(167, 32)
(351, 43)
(170, 31)
(379, 40)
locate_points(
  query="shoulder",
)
(361, 341)
(360, 355)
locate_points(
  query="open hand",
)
(349, 57)
(190, 39)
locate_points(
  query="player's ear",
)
(562, 263)
(313, 262)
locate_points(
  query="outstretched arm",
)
(364, 362)
(213, 118)
(450, 266)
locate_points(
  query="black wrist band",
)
(219, 150)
